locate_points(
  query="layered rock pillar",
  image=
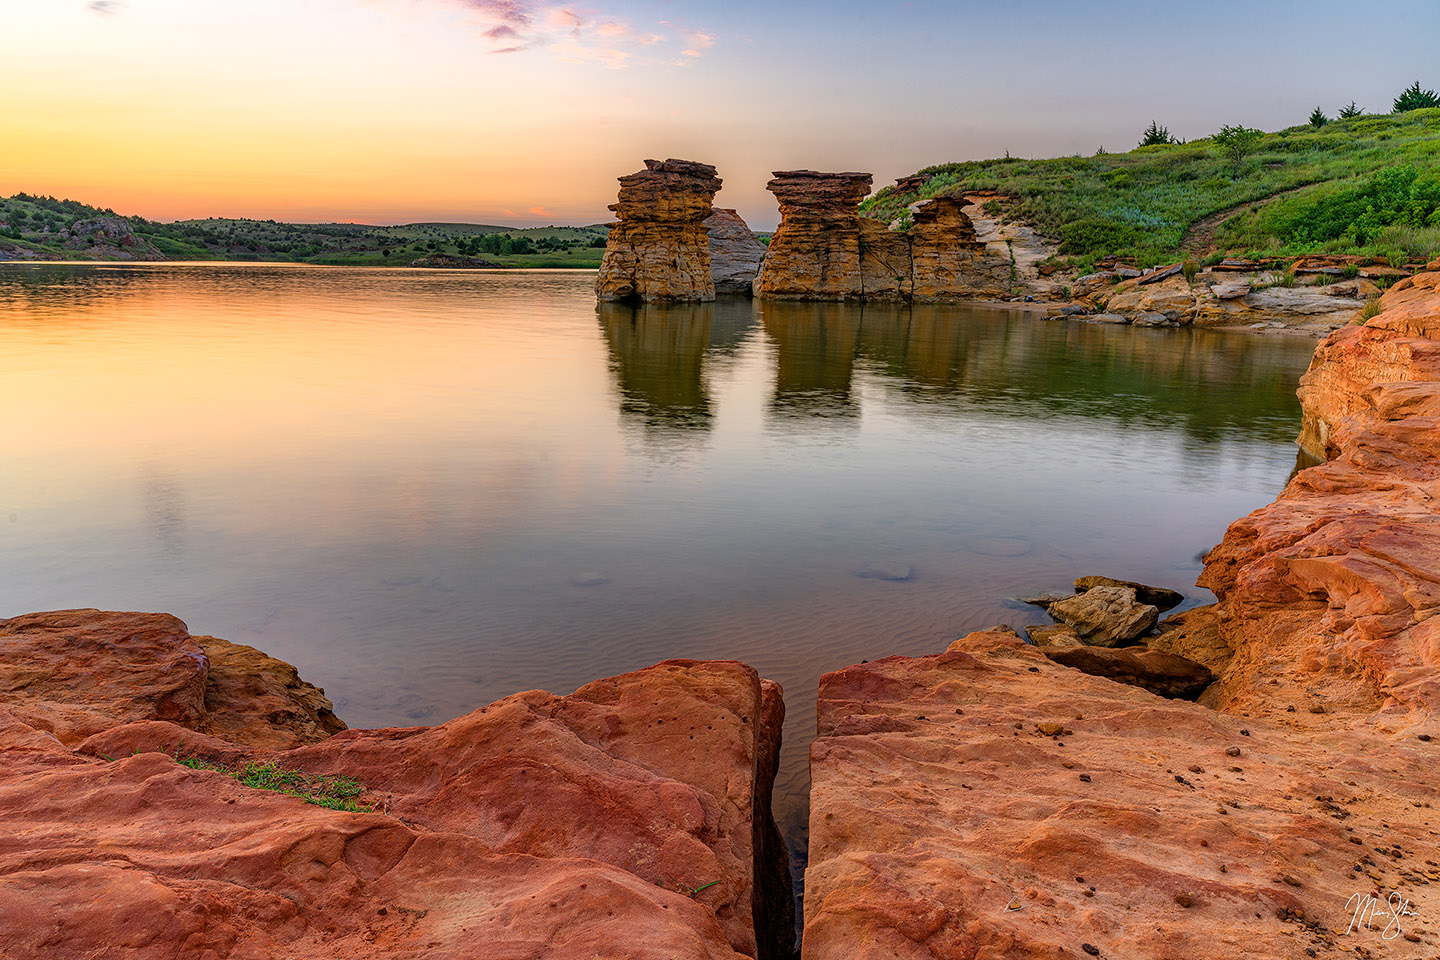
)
(660, 248)
(815, 252)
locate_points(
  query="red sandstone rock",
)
(77, 672)
(986, 802)
(144, 858)
(660, 248)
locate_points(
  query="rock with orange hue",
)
(145, 858)
(1386, 369)
(664, 774)
(948, 262)
(75, 673)
(987, 802)
(660, 248)
(735, 252)
(815, 252)
(825, 250)
(1163, 674)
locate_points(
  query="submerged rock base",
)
(631, 818)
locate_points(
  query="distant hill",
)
(1366, 184)
(45, 228)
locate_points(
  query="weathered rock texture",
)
(73, 673)
(660, 248)
(735, 252)
(539, 826)
(1386, 370)
(958, 800)
(987, 802)
(825, 250)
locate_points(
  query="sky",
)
(525, 111)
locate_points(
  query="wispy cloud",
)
(582, 35)
(107, 8)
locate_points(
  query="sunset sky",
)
(524, 112)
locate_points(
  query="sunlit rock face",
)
(947, 261)
(660, 248)
(735, 252)
(815, 252)
(825, 250)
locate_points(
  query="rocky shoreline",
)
(988, 801)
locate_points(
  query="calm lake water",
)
(432, 489)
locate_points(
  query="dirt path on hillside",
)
(1200, 238)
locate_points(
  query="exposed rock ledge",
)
(630, 818)
(987, 802)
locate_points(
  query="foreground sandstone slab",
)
(630, 818)
(987, 802)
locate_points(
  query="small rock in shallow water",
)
(887, 571)
(1162, 598)
(1000, 546)
(589, 579)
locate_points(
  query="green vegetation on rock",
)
(1305, 189)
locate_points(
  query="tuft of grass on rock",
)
(331, 792)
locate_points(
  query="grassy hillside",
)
(45, 226)
(1362, 185)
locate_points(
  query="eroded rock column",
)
(660, 248)
(815, 252)
(948, 262)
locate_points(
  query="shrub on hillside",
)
(1318, 118)
(1155, 135)
(1414, 98)
(1238, 142)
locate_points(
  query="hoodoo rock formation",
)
(815, 252)
(630, 818)
(825, 250)
(735, 252)
(660, 248)
(989, 801)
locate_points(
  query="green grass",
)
(1140, 205)
(332, 792)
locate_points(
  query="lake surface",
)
(432, 489)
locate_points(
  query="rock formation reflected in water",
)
(814, 359)
(658, 353)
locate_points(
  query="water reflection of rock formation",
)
(814, 359)
(660, 248)
(825, 250)
(657, 353)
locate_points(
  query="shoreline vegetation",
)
(1358, 185)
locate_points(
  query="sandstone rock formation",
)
(630, 818)
(735, 252)
(74, 673)
(988, 802)
(1163, 674)
(1386, 370)
(1106, 616)
(815, 252)
(825, 250)
(660, 249)
(949, 262)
